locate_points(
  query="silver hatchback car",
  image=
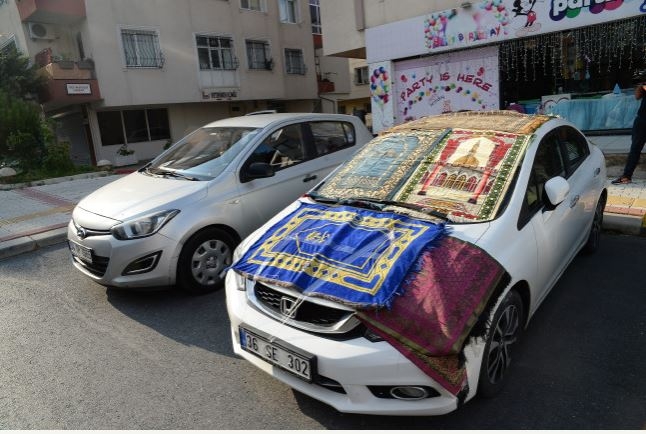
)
(177, 220)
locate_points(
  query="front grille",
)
(98, 266)
(307, 312)
(311, 314)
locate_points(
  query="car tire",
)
(203, 259)
(503, 332)
(594, 238)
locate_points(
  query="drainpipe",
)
(334, 102)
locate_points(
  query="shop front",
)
(579, 59)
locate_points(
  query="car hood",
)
(470, 232)
(138, 194)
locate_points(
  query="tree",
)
(23, 132)
(18, 78)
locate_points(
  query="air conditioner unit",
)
(42, 31)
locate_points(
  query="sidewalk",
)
(37, 216)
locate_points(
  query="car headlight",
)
(143, 226)
(239, 279)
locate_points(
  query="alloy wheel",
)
(504, 335)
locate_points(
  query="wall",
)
(339, 20)
(177, 22)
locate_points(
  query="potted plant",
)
(125, 156)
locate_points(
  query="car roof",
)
(263, 120)
(507, 121)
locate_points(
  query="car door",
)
(552, 225)
(580, 175)
(288, 151)
(333, 143)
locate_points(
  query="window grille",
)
(294, 63)
(141, 49)
(259, 55)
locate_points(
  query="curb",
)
(626, 224)
(33, 242)
(50, 181)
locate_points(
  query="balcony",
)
(69, 82)
(51, 11)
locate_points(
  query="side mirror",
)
(256, 171)
(556, 190)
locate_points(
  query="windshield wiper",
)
(379, 204)
(420, 208)
(159, 172)
(316, 197)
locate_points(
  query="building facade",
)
(143, 73)
(577, 59)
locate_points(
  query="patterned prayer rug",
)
(379, 168)
(441, 303)
(467, 175)
(354, 256)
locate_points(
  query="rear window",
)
(332, 136)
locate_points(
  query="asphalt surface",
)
(76, 355)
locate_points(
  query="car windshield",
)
(203, 154)
(459, 175)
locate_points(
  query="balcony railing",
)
(69, 82)
(51, 11)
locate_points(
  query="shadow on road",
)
(579, 364)
(199, 321)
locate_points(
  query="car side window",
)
(282, 148)
(548, 163)
(575, 148)
(331, 136)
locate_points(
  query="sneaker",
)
(621, 180)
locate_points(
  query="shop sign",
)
(79, 89)
(445, 83)
(220, 94)
(489, 21)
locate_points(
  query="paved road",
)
(77, 356)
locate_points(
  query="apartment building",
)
(577, 59)
(146, 72)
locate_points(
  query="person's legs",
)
(638, 140)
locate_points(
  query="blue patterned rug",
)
(355, 256)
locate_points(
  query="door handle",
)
(574, 201)
(309, 178)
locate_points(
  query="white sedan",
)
(401, 283)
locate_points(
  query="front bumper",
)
(111, 257)
(355, 364)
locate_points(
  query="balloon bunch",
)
(435, 28)
(380, 86)
(499, 11)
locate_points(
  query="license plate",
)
(81, 252)
(278, 354)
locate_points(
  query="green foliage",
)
(18, 78)
(58, 161)
(23, 134)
